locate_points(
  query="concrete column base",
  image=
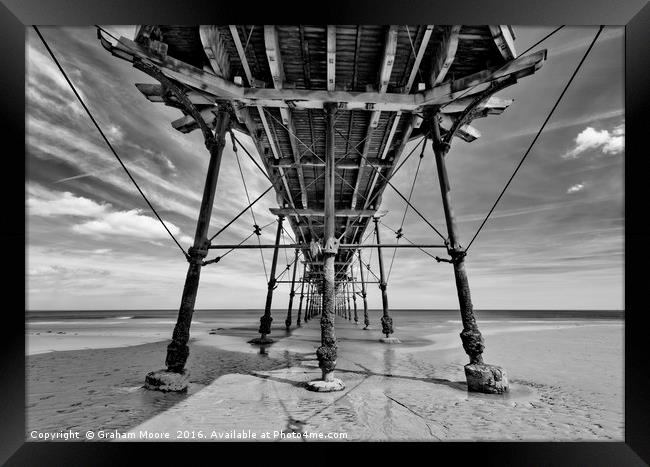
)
(326, 386)
(167, 381)
(390, 340)
(261, 340)
(488, 379)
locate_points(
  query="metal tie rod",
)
(349, 246)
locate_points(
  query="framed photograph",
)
(367, 222)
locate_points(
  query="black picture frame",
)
(16, 15)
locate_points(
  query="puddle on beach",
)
(516, 393)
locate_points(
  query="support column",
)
(302, 293)
(366, 320)
(287, 322)
(347, 297)
(267, 319)
(386, 320)
(480, 377)
(326, 353)
(354, 296)
(175, 377)
(309, 303)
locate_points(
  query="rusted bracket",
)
(331, 245)
(467, 114)
(456, 256)
(179, 94)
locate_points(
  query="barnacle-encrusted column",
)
(480, 376)
(175, 377)
(347, 298)
(354, 296)
(386, 320)
(292, 293)
(366, 320)
(326, 353)
(309, 302)
(267, 319)
(302, 294)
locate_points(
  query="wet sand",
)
(566, 382)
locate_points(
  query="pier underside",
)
(330, 111)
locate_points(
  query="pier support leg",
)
(326, 353)
(347, 302)
(175, 377)
(366, 320)
(386, 320)
(287, 322)
(480, 377)
(302, 294)
(354, 296)
(267, 319)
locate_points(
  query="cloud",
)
(126, 223)
(47, 204)
(575, 188)
(102, 219)
(590, 139)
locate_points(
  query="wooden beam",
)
(398, 153)
(187, 123)
(242, 55)
(321, 212)
(519, 67)
(274, 58)
(225, 90)
(331, 57)
(407, 89)
(307, 161)
(215, 49)
(272, 46)
(445, 56)
(504, 40)
(388, 60)
(386, 69)
(418, 58)
(496, 105)
(154, 93)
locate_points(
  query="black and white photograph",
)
(329, 233)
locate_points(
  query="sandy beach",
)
(566, 373)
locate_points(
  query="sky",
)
(555, 241)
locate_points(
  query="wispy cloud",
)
(590, 139)
(101, 219)
(575, 188)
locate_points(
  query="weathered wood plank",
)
(321, 212)
(502, 36)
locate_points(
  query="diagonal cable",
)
(108, 143)
(530, 147)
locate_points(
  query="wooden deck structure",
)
(330, 110)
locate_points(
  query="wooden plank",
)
(387, 62)
(502, 36)
(272, 46)
(445, 56)
(495, 104)
(242, 55)
(306, 161)
(300, 98)
(418, 58)
(154, 93)
(274, 58)
(478, 82)
(181, 71)
(321, 212)
(331, 57)
(186, 124)
(215, 49)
